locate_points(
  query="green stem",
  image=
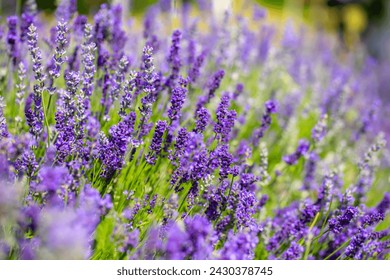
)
(46, 120)
(338, 249)
(18, 7)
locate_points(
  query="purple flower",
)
(319, 131)
(27, 19)
(66, 9)
(181, 143)
(36, 126)
(294, 252)
(356, 243)
(337, 224)
(59, 57)
(194, 71)
(178, 245)
(199, 231)
(214, 83)
(225, 119)
(238, 91)
(310, 169)
(3, 124)
(239, 247)
(112, 150)
(202, 120)
(302, 149)
(174, 59)
(177, 101)
(13, 39)
(157, 140)
(270, 108)
(52, 178)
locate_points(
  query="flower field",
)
(188, 136)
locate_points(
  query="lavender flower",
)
(157, 140)
(225, 119)
(3, 124)
(194, 72)
(36, 127)
(177, 101)
(294, 252)
(214, 83)
(66, 10)
(202, 119)
(302, 149)
(319, 130)
(270, 108)
(338, 223)
(239, 247)
(13, 39)
(174, 59)
(21, 86)
(59, 57)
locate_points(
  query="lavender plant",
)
(188, 143)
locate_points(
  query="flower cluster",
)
(128, 140)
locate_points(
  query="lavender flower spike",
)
(12, 39)
(3, 124)
(174, 59)
(177, 101)
(59, 57)
(202, 119)
(270, 108)
(157, 140)
(21, 86)
(39, 76)
(302, 149)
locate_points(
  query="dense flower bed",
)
(222, 138)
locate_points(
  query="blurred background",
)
(366, 21)
(356, 22)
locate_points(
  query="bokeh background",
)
(356, 22)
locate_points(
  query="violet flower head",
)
(27, 18)
(79, 25)
(319, 130)
(337, 224)
(112, 150)
(214, 83)
(59, 57)
(3, 124)
(148, 81)
(13, 39)
(89, 68)
(66, 9)
(225, 119)
(181, 144)
(128, 93)
(384, 205)
(52, 178)
(270, 108)
(174, 59)
(202, 120)
(356, 243)
(21, 86)
(302, 149)
(194, 71)
(310, 169)
(294, 252)
(39, 76)
(178, 245)
(199, 231)
(238, 91)
(177, 102)
(239, 247)
(157, 140)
